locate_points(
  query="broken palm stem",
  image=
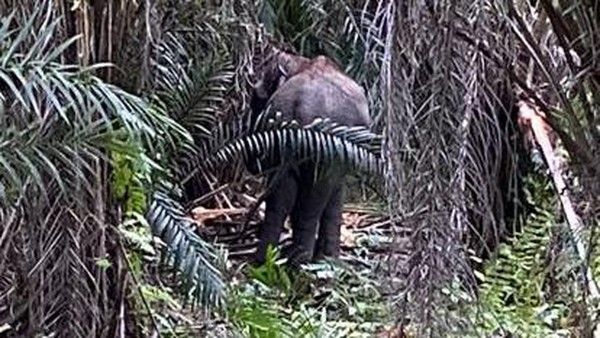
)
(530, 118)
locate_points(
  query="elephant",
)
(303, 89)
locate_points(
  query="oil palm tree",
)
(60, 126)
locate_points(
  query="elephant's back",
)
(332, 95)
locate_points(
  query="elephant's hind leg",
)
(328, 242)
(279, 204)
(311, 201)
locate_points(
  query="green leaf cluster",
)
(131, 180)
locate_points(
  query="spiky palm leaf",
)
(198, 261)
(193, 90)
(58, 113)
(193, 86)
(323, 141)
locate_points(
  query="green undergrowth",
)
(158, 306)
(322, 300)
(532, 287)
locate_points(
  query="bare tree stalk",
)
(138, 288)
(538, 129)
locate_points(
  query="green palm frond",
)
(354, 147)
(34, 82)
(193, 90)
(191, 86)
(198, 261)
(63, 158)
(58, 124)
(60, 115)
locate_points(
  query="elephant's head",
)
(303, 89)
(276, 67)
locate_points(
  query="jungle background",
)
(126, 210)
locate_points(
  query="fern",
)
(512, 292)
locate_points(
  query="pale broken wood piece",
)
(201, 214)
(529, 117)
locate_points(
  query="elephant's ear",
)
(275, 70)
(291, 64)
(266, 84)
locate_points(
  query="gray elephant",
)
(304, 89)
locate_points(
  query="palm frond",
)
(199, 262)
(356, 148)
(58, 112)
(57, 125)
(34, 79)
(193, 79)
(194, 90)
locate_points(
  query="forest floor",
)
(350, 293)
(365, 230)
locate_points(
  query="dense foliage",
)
(118, 118)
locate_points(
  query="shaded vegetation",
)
(120, 118)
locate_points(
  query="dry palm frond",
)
(446, 104)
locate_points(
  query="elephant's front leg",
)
(279, 204)
(311, 201)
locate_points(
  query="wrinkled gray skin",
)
(303, 89)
